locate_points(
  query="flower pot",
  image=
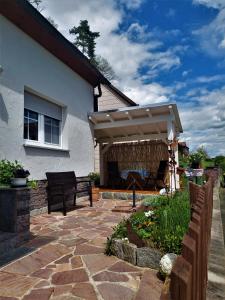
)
(95, 194)
(180, 170)
(18, 182)
(133, 237)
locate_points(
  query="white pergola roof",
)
(149, 122)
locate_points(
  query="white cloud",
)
(203, 119)
(171, 13)
(126, 51)
(218, 4)
(186, 72)
(150, 93)
(132, 4)
(208, 79)
(212, 36)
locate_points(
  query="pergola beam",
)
(133, 122)
(161, 136)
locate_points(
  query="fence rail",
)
(188, 280)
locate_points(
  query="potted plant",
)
(95, 178)
(20, 177)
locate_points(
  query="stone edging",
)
(142, 257)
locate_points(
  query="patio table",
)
(133, 175)
(143, 173)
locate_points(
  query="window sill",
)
(47, 147)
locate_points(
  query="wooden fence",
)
(188, 280)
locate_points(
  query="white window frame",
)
(41, 134)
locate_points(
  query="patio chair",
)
(63, 186)
(160, 179)
(135, 178)
(114, 178)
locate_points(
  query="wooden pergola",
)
(158, 122)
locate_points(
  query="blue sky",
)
(162, 50)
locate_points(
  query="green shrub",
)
(32, 184)
(155, 201)
(7, 170)
(119, 232)
(172, 223)
(95, 177)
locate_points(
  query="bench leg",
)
(74, 200)
(90, 197)
(49, 207)
(64, 206)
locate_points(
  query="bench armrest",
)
(80, 181)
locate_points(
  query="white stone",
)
(166, 263)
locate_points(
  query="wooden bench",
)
(63, 186)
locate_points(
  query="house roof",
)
(29, 20)
(117, 92)
(148, 122)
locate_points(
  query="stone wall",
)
(15, 212)
(38, 196)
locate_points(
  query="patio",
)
(66, 260)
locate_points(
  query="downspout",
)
(96, 96)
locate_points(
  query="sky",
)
(161, 50)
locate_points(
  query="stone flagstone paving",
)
(68, 261)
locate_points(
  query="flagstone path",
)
(68, 261)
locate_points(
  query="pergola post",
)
(102, 151)
(171, 132)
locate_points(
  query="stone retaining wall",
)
(142, 257)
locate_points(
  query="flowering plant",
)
(149, 213)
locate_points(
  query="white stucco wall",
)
(27, 64)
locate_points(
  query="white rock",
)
(166, 263)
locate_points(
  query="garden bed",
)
(156, 229)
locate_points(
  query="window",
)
(30, 125)
(42, 121)
(51, 130)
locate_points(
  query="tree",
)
(52, 22)
(202, 152)
(36, 4)
(85, 41)
(104, 67)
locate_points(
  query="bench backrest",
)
(57, 178)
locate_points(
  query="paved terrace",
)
(67, 261)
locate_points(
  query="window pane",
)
(25, 112)
(33, 130)
(48, 133)
(33, 115)
(55, 123)
(55, 135)
(51, 130)
(48, 121)
(25, 132)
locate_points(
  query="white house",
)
(46, 90)
(55, 107)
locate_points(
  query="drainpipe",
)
(96, 97)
